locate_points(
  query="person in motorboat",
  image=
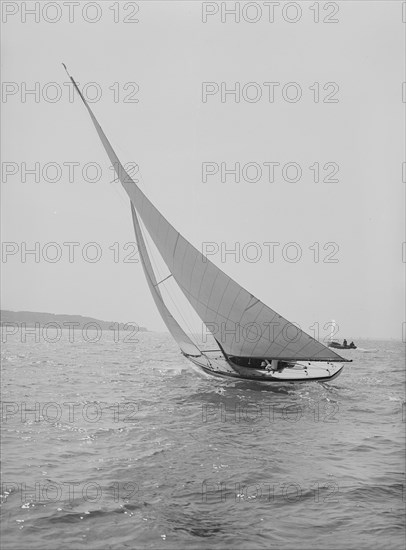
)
(345, 343)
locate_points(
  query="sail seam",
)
(211, 291)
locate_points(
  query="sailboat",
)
(253, 341)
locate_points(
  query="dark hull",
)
(340, 346)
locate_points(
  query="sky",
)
(158, 73)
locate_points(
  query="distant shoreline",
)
(35, 318)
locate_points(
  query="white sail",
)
(242, 324)
(179, 335)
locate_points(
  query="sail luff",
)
(226, 308)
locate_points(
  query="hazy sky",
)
(171, 131)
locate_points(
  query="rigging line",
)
(118, 189)
(150, 275)
(191, 334)
(170, 275)
(122, 201)
(186, 323)
(169, 294)
(147, 244)
(149, 249)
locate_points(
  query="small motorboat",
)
(335, 344)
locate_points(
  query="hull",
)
(303, 372)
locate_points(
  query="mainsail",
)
(242, 324)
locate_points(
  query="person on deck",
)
(265, 364)
(271, 367)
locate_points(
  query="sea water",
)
(121, 444)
